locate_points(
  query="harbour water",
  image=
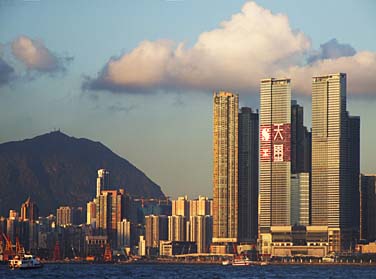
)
(83, 271)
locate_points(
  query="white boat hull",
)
(26, 262)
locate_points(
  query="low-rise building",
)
(172, 248)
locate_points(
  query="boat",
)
(328, 259)
(242, 261)
(25, 262)
(226, 262)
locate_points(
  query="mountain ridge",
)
(56, 169)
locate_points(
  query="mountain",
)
(56, 169)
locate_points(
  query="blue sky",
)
(138, 75)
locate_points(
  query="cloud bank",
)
(253, 44)
(36, 56)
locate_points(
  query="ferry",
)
(25, 262)
(242, 261)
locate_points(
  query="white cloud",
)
(252, 45)
(36, 56)
(360, 70)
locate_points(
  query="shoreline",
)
(158, 262)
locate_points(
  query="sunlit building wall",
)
(225, 167)
(334, 195)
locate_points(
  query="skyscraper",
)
(225, 167)
(354, 170)
(111, 209)
(300, 141)
(275, 166)
(368, 207)
(103, 180)
(29, 210)
(248, 174)
(332, 189)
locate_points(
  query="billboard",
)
(275, 145)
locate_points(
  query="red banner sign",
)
(275, 143)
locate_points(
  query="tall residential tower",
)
(225, 167)
(103, 181)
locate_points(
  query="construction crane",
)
(20, 251)
(8, 252)
(1, 249)
(107, 253)
(1, 246)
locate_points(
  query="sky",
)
(139, 75)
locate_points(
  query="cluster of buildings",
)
(128, 226)
(290, 190)
(187, 230)
(155, 229)
(278, 188)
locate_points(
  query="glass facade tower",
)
(275, 161)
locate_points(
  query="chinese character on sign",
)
(265, 152)
(278, 153)
(278, 131)
(265, 134)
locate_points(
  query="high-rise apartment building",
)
(181, 207)
(200, 231)
(64, 216)
(91, 213)
(110, 209)
(225, 167)
(123, 234)
(248, 175)
(332, 182)
(156, 229)
(275, 166)
(68, 215)
(176, 228)
(103, 181)
(368, 207)
(200, 206)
